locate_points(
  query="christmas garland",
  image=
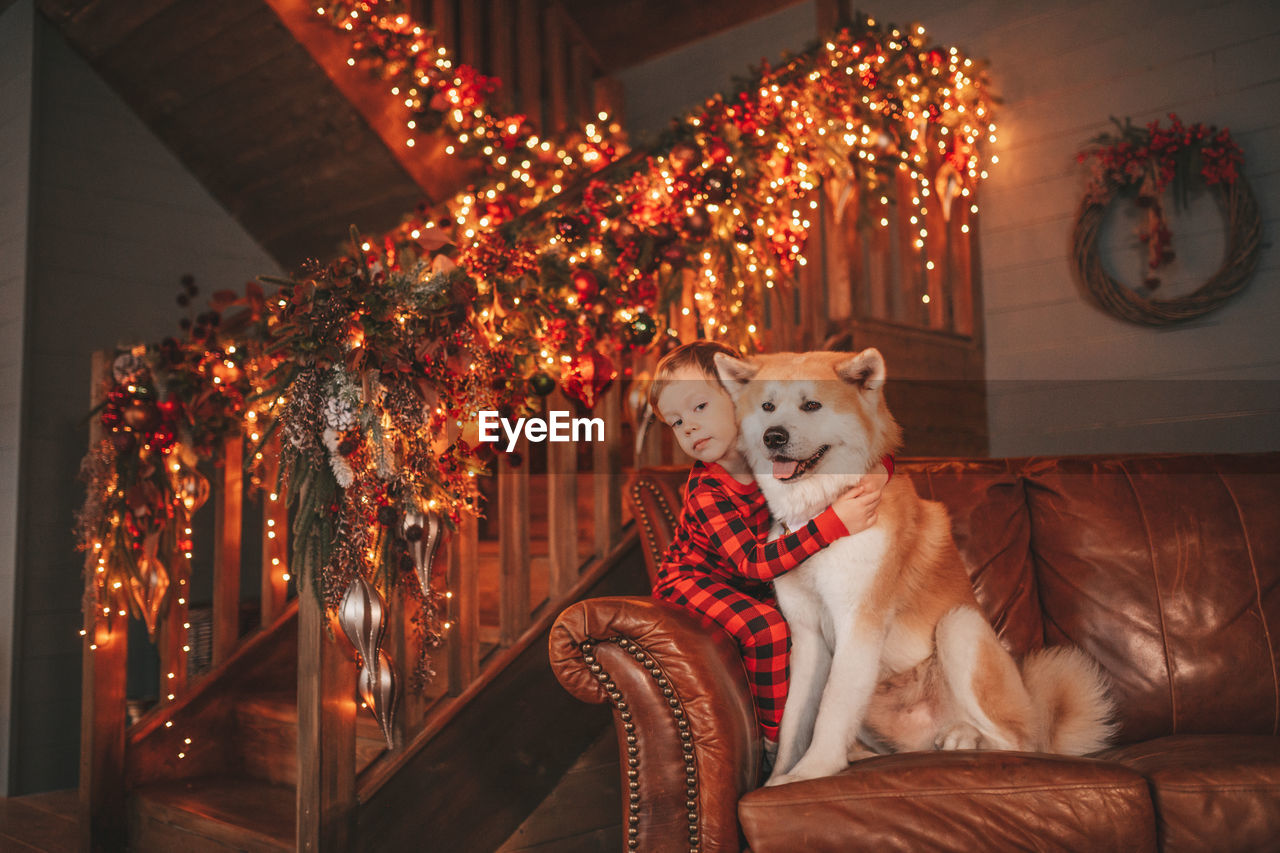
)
(1143, 163)
(541, 274)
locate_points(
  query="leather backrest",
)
(1167, 570)
(988, 507)
(656, 495)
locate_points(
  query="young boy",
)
(719, 564)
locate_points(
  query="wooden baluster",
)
(842, 257)
(172, 633)
(880, 267)
(830, 14)
(608, 97)
(960, 256)
(651, 452)
(502, 50)
(275, 538)
(471, 33)
(556, 58)
(606, 483)
(326, 729)
(562, 508)
(907, 284)
(513, 546)
(463, 611)
(402, 646)
(811, 278)
(582, 92)
(529, 46)
(583, 62)
(444, 22)
(226, 551)
(102, 690)
(464, 604)
(936, 252)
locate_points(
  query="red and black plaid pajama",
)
(720, 564)
(762, 634)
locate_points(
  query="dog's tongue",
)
(784, 468)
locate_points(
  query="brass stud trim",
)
(650, 665)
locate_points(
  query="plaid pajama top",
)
(722, 533)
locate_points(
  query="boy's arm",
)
(747, 549)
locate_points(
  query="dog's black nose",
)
(775, 437)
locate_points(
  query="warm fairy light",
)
(728, 208)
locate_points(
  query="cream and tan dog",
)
(889, 646)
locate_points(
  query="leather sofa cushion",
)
(1167, 570)
(1212, 792)
(956, 801)
(988, 507)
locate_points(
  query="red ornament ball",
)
(587, 378)
(585, 283)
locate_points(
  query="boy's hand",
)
(858, 507)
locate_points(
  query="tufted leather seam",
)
(1155, 583)
(678, 713)
(1262, 613)
(845, 796)
(1210, 789)
(649, 535)
(649, 531)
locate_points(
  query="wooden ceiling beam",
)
(438, 174)
(258, 103)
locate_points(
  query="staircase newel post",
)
(326, 729)
(102, 696)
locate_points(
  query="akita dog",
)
(889, 648)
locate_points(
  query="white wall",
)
(16, 58)
(116, 222)
(1065, 377)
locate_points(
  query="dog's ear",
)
(866, 369)
(734, 372)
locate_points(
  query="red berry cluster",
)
(1148, 158)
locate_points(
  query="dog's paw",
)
(959, 736)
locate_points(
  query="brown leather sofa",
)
(1165, 568)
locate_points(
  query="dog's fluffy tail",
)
(1074, 712)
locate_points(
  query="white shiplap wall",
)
(1065, 377)
(116, 222)
(16, 58)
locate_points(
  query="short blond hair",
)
(699, 354)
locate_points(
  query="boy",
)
(719, 564)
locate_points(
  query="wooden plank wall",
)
(17, 79)
(1063, 375)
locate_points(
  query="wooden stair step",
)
(212, 815)
(267, 737)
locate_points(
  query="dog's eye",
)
(811, 406)
(767, 406)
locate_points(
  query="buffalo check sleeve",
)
(730, 534)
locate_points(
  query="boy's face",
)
(700, 413)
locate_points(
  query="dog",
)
(890, 650)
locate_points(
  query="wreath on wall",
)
(1142, 162)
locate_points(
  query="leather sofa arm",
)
(686, 727)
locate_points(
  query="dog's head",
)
(806, 417)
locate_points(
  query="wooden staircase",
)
(218, 768)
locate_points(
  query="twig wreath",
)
(1143, 163)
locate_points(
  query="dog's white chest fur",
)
(832, 582)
